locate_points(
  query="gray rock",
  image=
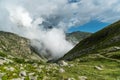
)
(63, 63)
(22, 73)
(71, 79)
(21, 68)
(82, 78)
(98, 68)
(33, 77)
(8, 60)
(31, 74)
(117, 48)
(61, 70)
(9, 68)
(2, 62)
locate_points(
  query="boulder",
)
(98, 68)
(22, 73)
(82, 78)
(33, 77)
(63, 63)
(61, 70)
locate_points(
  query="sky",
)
(92, 27)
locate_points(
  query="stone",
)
(71, 79)
(2, 62)
(98, 68)
(63, 63)
(8, 60)
(116, 47)
(33, 77)
(21, 68)
(82, 78)
(61, 70)
(11, 69)
(71, 65)
(31, 74)
(35, 65)
(22, 73)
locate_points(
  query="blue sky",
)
(91, 26)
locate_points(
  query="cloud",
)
(45, 22)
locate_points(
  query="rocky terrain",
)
(87, 68)
(16, 46)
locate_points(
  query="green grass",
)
(3, 54)
(85, 66)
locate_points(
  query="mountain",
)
(77, 36)
(18, 60)
(105, 42)
(16, 46)
(97, 57)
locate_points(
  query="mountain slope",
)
(77, 36)
(104, 42)
(16, 46)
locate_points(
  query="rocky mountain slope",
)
(16, 46)
(77, 36)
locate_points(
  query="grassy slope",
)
(108, 37)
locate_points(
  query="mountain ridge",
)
(77, 36)
(107, 37)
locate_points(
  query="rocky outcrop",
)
(16, 46)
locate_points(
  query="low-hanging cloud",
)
(45, 22)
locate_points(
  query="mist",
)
(45, 22)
